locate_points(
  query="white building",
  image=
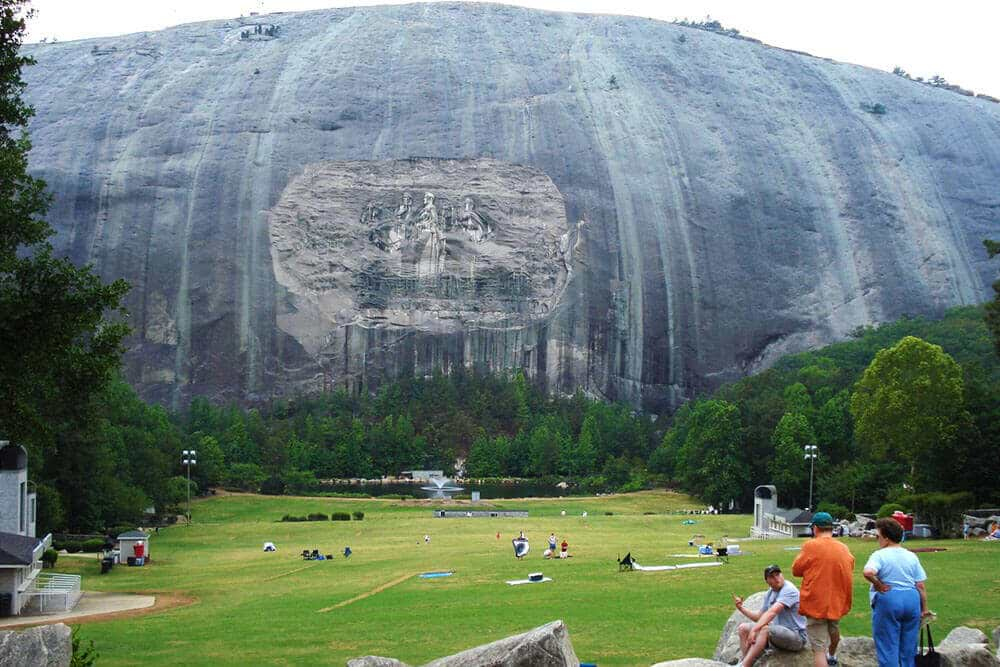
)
(769, 520)
(20, 551)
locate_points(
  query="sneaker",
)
(831, 660)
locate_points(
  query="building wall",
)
(11, 482)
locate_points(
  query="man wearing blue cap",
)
(826, 567)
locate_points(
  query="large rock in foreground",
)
(741, 201)
(42, 646)
(545, 646)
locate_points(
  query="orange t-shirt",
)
(826, 567)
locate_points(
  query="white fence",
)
(53, 593)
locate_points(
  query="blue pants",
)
(896, 626)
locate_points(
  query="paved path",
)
(90, 604)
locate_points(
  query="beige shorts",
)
(819, 631)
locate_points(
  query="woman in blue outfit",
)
(898, 597)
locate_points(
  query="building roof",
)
(133, 535)
(17, 549)
(801, 518)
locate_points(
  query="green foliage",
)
(317, 516)
(788, 468)
(908, 402)
(993, 307)
(92, 546)
(358, 515)
(340, 516)
(836, 511)
(943, 511)
(889, 509)
(84, 655)
(245, 477)
(709, 461)
(49, 558)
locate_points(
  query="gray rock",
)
(968, 655)
(545, 646)
(856, 652)
(996, 638)
(375, 661)
(697, 266)
(727, 649)
(691, 662)
(41, 646)
(964, 635)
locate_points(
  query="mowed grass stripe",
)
(377, 589)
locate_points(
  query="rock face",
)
(545, 646)
(42, 646)
(740, 201)
(964, 635)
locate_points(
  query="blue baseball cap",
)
(821, 519)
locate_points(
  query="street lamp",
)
(188, 459)
(812, 451)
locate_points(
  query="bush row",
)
(319, 516)
(75, 546)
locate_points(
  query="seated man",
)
(779, 622)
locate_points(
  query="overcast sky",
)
(956, 39)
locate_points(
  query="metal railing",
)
(53, 593)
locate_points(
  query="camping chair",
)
(625, 564)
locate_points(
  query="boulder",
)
(728, 648)
(964, 635)
(857, 652)
(545, 646)
(45, 645)
(996, 638)
(967, 655)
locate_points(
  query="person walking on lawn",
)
(825, 596)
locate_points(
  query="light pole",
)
(188, 459)
(811, 454)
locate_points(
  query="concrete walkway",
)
(90, 604)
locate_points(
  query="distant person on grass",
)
(898, 597)
(826, 567)
(778, 623)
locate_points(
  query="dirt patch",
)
(164, 602)
(377, 589)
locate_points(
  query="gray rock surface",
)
(739, 200)
(857, 652)
(375, 661)
(727, 649)
(964, 635)
(996, 639)
(545, 646)
(41, 646)
(968, 655)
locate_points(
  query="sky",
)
(957, 40)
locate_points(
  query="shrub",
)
(123, 528)
(609, 514)
(317, 516)
(358, 516)
(943, 511)
(83, 656)
(92, 546)
(340, 516)
(888, 509)
(49, 558)
(71, 546)
(836, 511)
(293, 518)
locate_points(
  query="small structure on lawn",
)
(421, 475)
(20, 551)
(134, 545)
(769, 520)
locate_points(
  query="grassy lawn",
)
(264, 608)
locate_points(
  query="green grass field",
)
(265, 608)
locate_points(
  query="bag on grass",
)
(930, 659)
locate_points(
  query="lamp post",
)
(188, 459)
(811, 454)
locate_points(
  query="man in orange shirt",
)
(826, 567)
